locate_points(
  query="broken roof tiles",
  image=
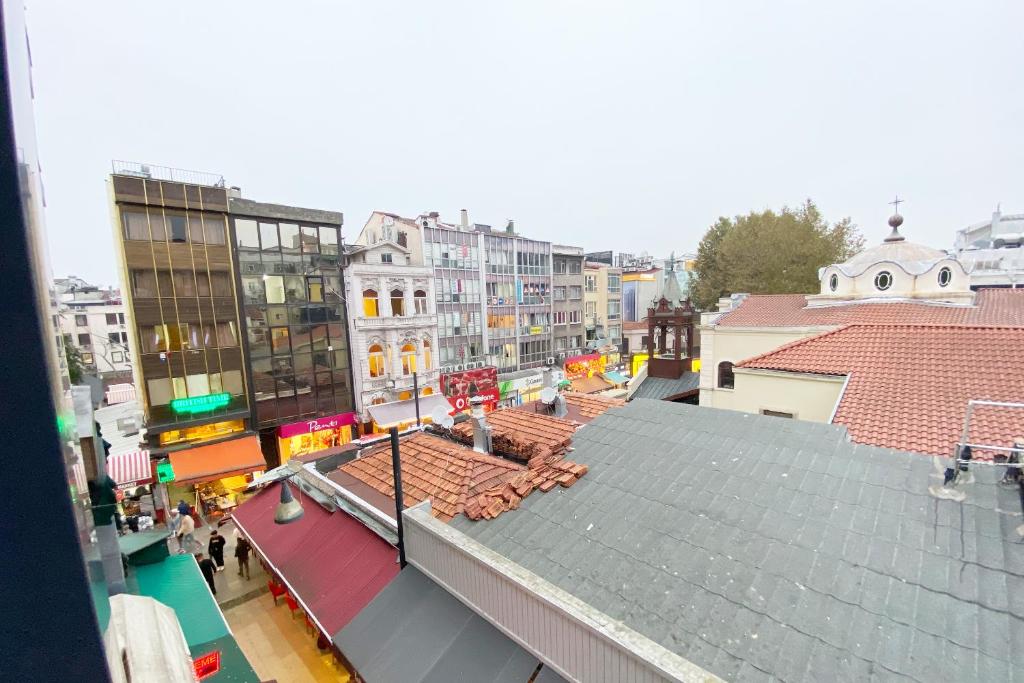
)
(523, 435)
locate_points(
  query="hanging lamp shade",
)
(288, 510)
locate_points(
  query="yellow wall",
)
(807, 397)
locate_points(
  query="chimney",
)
(547, 377)
(561, 407)
(481, 430)
(464, 219)
(235, 192)
(511, 227)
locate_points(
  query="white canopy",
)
(144, 642)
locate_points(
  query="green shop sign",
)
(164, 472)
(200, 404)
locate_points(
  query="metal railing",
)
(176, 175)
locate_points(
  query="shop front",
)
(517, 388)
(212, 478)
(459, 387)
(310, 436)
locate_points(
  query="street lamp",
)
(288, 510)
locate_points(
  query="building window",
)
(559, 293)
(405, 395)
(575, 292)
(945, 277)
(83, 340)
(114, 338)
(575, 267)
(883, 281)
(613, 284)
(408, 352)
(591, 308)
(371, 309)
(226, 334)
(726, 379)
(376, 360)
(833, 282)
(177, 227)
(560, 317)
(614, 310)
(111, 318)
(559, 266)
(420, 301)
(82, 320)
(397, 302)
(561, 343)
(776, 413)
(575, 317)
(591, 282)
(427, 360)
(136, 225)
(117, 356)
(385, 257)
(315, 289)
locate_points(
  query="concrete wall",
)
(805, 396)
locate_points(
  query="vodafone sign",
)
(459, 387)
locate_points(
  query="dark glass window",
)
(726, 379)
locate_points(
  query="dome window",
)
(945, 276)
(833, 282)
(883, 281)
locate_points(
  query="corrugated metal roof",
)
(760, 548)
(658, 388)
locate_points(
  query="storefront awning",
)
(203, 463)
(330, 563)
(130, 468)
(615, 377)
(589, 385)
(416, 631)
(393, 414)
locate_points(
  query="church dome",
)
(911, 257)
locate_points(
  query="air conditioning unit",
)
(561, 356)
(460, 368)
(550, 360)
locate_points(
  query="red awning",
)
(130, 468)
(332, 564)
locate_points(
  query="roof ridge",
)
(790, 345)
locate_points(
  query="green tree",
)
(770, 252)
(74, 359)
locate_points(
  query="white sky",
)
(628, 126)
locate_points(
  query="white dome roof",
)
(913, 258)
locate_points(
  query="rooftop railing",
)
(176, 175)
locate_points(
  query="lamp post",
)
(288, 510)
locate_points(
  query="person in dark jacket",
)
(242, 549)
(208, 569)
(216, 548)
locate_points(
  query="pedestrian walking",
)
(1012, 474)
(216, 548)
(173, 524)
(208, 569)
(242, 548)
(184, 509)
(186, 534)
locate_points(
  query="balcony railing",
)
(401, 322)
(176, 175)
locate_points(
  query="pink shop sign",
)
(317, 425)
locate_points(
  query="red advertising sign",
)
(459, 387)
(207, 665)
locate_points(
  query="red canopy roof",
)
(332, 564)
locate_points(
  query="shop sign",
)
(584, 366)
(164, 472)
(459, 387)
(317, 425)
(200, 404)
(207, 665)
(536, 330)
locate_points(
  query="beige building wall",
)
(804, 396)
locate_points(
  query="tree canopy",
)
(74, 359)
(770, 252)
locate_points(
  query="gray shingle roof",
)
(762, 548)
(659, 387)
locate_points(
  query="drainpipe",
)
(396, 468)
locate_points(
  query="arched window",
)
(370, 307)
(405, 396)
(408, 358)
(726, 380)
(420, 299)
(427, 391)
(397, 302)
(427, 361)
(833, 282)
(376, 360)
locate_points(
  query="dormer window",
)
(945, 276)
(833, 282)
(883, 280)
(385, 257)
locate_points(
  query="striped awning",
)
(81, 485)
(120, 393)
(130, 468)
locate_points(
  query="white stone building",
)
(93, 320)
(992, 251)
(392, 324)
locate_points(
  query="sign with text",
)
(459, 387)
(200, 404)
(207, 665)
(317, 425)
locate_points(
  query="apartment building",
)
(93, 321)
(493, 289)
(567, 297)
(602, 304)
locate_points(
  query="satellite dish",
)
(441, 418)
(548, 395)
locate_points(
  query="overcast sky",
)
(628, 126)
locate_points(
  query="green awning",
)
(178, 583)
(615, 377)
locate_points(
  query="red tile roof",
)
(523, 435)
(453, 477)
(582, 407)
(909, 385)
(991, 307)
